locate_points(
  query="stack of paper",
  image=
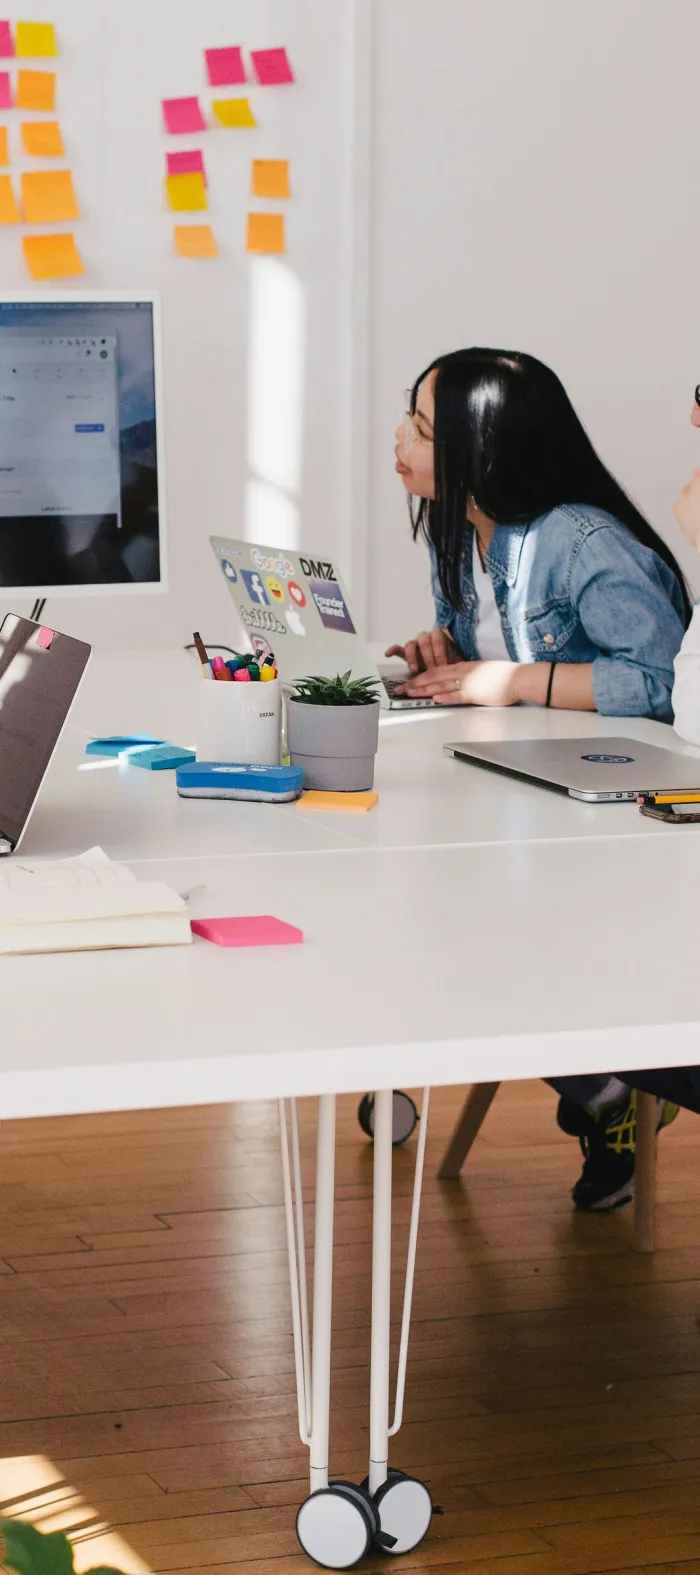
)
(85, 904)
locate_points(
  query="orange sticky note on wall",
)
(42, 139)
(195, 240)
(9, 212)
(4, 153)
(48, 196)
(265, 232)
(34, 39)
(36, 90)
(52, 256)
(186, 192)
(270, 177)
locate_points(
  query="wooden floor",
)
(146, 1382)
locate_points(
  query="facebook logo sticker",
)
(255, 588)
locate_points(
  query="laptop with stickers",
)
(295, 604)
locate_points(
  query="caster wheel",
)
(339, 1525)
(404, 1120)
(405, 1511)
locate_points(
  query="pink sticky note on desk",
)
(44, 638)
(256, 930)
(271, 67)
(225, 67)
(7, 47)
(182, 115)
(191, 163)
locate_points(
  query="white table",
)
(470, 929)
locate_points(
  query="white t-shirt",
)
(686, 689)
(490, 642)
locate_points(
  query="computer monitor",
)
(81, 471)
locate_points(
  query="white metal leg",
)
(381, 1291)
(323, 1292)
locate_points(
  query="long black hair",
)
(507, 435)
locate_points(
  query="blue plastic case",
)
(221, 779)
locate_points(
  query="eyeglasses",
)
(697, 395)
(408, 421)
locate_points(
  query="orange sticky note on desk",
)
(270, 177)
(36, 90)
(186, 192)
(356, 801)
(195, 240)
(233, 112)
(42, 139)
(52, 256)
(48, 196)
(265, 232)
(34, 39)
(4, 153)
(9, 212)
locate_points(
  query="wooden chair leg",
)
(645, 1173)
(474, 1109)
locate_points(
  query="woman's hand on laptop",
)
(433, 648)
(466, 683)
(687, 510)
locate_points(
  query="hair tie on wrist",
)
(552, 670)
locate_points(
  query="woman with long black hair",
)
(551, 588)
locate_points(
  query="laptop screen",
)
(39, 674)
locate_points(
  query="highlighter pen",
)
(217, 664)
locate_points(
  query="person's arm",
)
(627, 612)
(686, 689)
(507, 683)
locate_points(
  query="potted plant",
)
(333, 731)
(32, 1552)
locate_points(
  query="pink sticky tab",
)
(44, 638)
(7, 47)
(186, 164)
(5, 90)
(225, 67)
(258, 930)
(271, 67)
(182, 115)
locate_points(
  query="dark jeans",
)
(680, 1084)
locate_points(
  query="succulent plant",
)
(341, 690)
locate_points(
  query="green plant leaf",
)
(33, 1552)
(341, 690)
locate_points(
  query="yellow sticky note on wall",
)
(195, 240)
(42, 139)
(9, 211)
(34, 39)
(4, 152)
(48, 196)
(52, 256)
(265, 232)
(270, 177)
(36, 90)
(233, 112)
(186, 192)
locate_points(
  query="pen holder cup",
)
(239, 722)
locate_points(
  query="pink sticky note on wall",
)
(5, 90)
(191, 163)
(256, 930)
(182, 115)
(271, 67)
(44, 638)
(7, 46)
(225, 67)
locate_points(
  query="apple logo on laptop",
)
(294, 621)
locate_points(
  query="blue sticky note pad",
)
(163, 757)
(118, 742)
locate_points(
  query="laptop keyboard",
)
(392, 684)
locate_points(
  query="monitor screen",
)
(81, 499)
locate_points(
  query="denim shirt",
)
(576, 586)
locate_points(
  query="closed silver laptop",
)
(597, 770)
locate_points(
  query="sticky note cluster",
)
(46, 196)
(32, 40)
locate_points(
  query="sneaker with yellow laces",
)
(608, 1144)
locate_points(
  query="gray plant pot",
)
(335, 745)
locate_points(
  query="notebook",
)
(87, 903)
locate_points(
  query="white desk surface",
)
(549, 945)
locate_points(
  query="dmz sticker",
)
(610, 760)
(331, 606)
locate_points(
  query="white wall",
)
(536, 186)
(221, 331)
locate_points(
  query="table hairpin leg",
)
(340, 1521)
